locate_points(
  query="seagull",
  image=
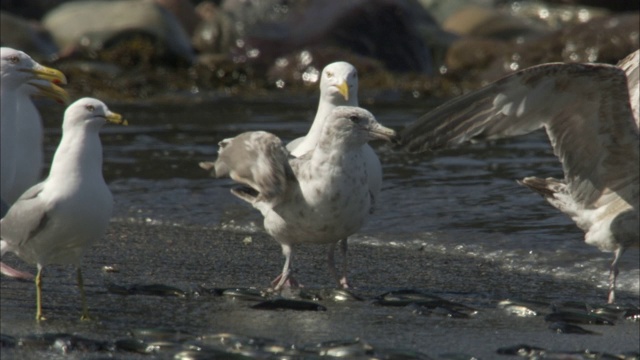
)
(17, 71)
(591, 115)
(56, 220)
(321, 197)
(28, 152)
(339, 87)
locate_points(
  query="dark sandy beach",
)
(197, 260)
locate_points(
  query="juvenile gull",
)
(55, 221)
(592, 123)
(321, 197)
(339, 87)
(16, 69)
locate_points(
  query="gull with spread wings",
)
(591, 115)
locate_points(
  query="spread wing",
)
(631, 66)
(257, 159)
(586, 112)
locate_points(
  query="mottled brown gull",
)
(321, 197)
(55, 221)
(339, 87)
(592, 123)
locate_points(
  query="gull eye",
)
(329, 74)
(14, 59)
(90, 108)
(354, 118)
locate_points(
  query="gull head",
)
(90, 113)
(17, 68)
(339, 82)
(356, 125)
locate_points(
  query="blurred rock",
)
(149, 31)
(215, 33)
(184, 11)
(606, 4)
(481, 21)
(551, 16)
(30, 9)
(386, 30)
(303, 67)
(28, 36)
(605, 39)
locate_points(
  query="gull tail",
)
(556, 192)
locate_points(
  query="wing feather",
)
(585, 109)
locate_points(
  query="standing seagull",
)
(339, 87)
(16, 70)
(56, 220)
(592, 123)
(28, 152)
(320, 197)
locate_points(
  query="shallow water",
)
(465, 199)
(461, 203)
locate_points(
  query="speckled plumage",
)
(321, 197)
(591, 115)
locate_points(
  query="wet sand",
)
(197, 260)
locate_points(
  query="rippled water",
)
(455, 223)
(462, 200)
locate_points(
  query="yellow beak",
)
(50, 74)
(343, 88)
(51, 90)
(116, 119)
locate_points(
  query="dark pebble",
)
(578, 318)
(288, 304)
(562, 327)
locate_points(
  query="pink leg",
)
(285, 278)
(14, 273)
(613, 275)
(341, 280)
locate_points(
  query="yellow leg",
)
(85, 311)
(39, 316)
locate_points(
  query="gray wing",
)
(584, 108)
(257, 159)
(25, 218)
(631, 66)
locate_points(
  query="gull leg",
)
(285, 277)
(85, 311)
(14, 273)
(343, 280)
(39, 316)
(613, 275)
(332, 264)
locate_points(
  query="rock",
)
(96, 25)
(386, 30)
(184, 11)
(606, 4)
(605, 39)
(31, 9)
(215, 34)
(28, 36)
(485, 22)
